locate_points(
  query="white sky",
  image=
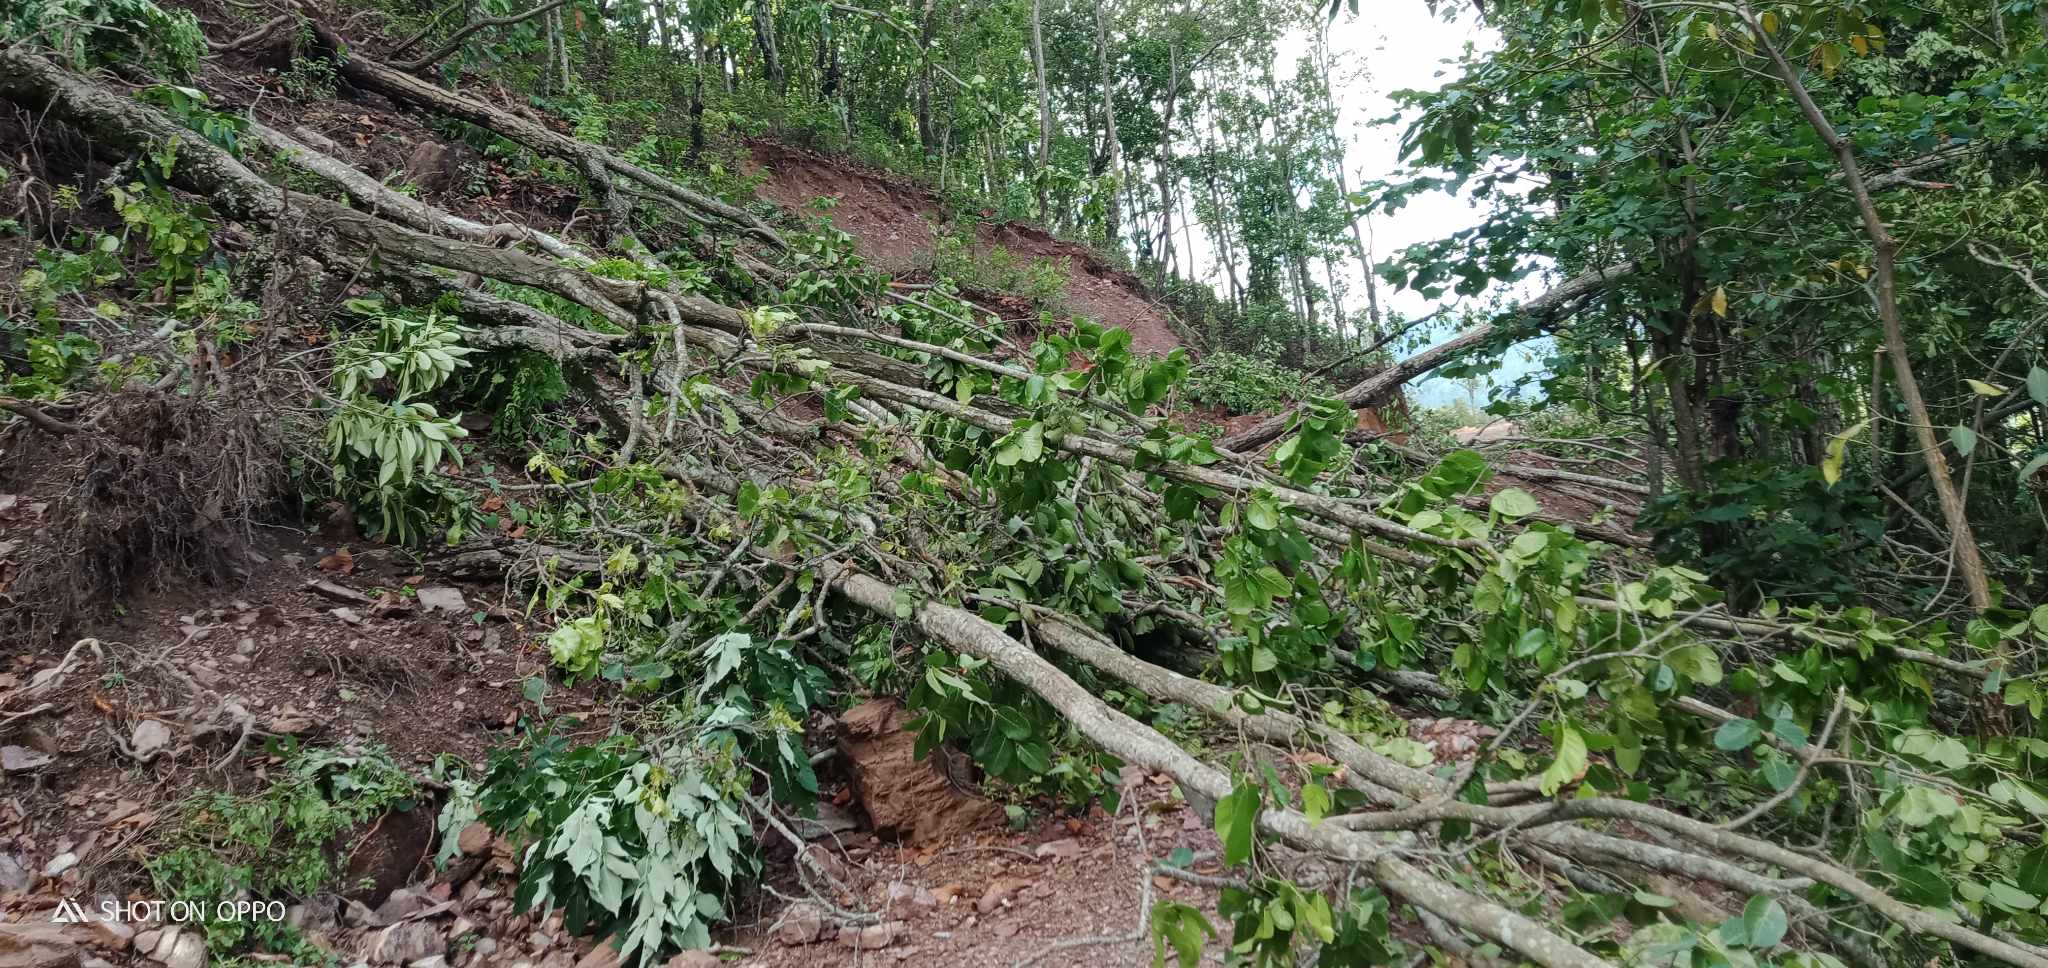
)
(1393, 45)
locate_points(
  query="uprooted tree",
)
(797, 467)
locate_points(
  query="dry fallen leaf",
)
(340, 562)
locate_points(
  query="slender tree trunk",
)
(928, 28)
(1044, 104)
(1962, 538)
(1165, 165)
(771, 55)
(1113, 150)
(698, 57)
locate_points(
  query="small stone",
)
(430, 961)
(21, 759)
(693, 959)
(1060, 849)
(485, 947)
(149, 738)
(474, 839)
(60, 863)
(145, 941)
(904, 898)
(359, 915)
(346, 615)
(246, 645)
(401, 904)
(872, 937)
(186, 949)
(15, 877)
(800, 925)
(441, 598)
(115, 934)
(403, 944)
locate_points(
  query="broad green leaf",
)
(1514, 503)
(1315, 802)
(1766, 921)
(1985, 389)
(1570, 761)
(1237, 819)
(2037, 385)
(1838, 450)
(1737, 734)
(1964, 438)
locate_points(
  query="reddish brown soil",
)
(894, 224)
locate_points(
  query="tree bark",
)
(1044, 104)
(1113, 149)
(1377, 387)
(771, 54)
(1969, 561)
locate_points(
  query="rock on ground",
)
(906, 799)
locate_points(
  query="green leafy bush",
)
(1771, 531)
(277, 844)
(628, 840)
(956, 257)
(385, 442)
(1249, 384)
(109, 33)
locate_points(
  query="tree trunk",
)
(1165, 165)
(771, 55)
(1044, 104)
(927, 30)
(1968, 560)
(1113, 150)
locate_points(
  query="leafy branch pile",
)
(1012, 518)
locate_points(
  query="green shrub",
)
(109, 33)
(1249, 384)
(626, 840)
(277, 844)
(385, 441)
(955, 257)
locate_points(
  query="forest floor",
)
(336, 642)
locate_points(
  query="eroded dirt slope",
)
(896, 225)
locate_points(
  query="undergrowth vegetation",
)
(276, 844)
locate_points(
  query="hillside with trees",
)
(592, 482)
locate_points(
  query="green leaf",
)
(1964, 438)
(1695, 662)
(2034, 466)
(1766, 921)
(1570, 761)
(1237, 818)
(1737, 734)
(1514, 502)
(1315, 802)
(1838, 451)
(1984, 389)
(2037, 385)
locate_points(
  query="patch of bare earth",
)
(895, 225)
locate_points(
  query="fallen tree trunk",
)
(1139, 744)
(1377, 388)
(597, 163)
